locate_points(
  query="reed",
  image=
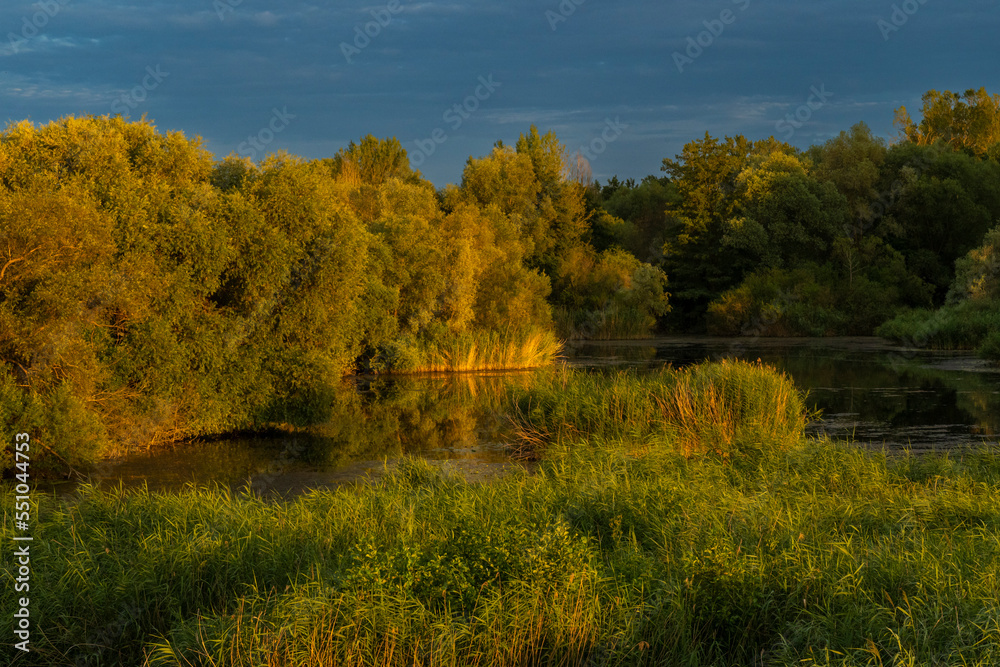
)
(825, 554)
(480, 351)
(629, 545)
(728, 407)
(962, 326)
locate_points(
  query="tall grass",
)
(728, 407)
(966, 325)
(477, 351)
(632, 544)
(822, 555)
(614, 322)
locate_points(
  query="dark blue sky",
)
(298, 76)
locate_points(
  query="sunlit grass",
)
(824, 554)
(669, 541)
(726, 407)
(483, 351)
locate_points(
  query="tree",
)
(785, 217)
(372, 161)
(700, 265)
(969, 122)
(852, 162)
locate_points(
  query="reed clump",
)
(730, 408)
(473, 351)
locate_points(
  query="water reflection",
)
(451, 420)
(867, 390)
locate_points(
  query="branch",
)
(15, 260)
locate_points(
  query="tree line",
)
(151, 292)
(836, 239)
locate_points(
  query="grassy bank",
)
(613, 322)
(620, 550)
(729, 408)
(967, 325)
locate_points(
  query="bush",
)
(990, 348)
(776, 303)
(962, 326)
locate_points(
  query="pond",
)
(873, 393)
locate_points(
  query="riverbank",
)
(829, 554)
(623, 548)
(872, 393)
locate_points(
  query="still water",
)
(868, 391)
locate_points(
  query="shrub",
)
(990, 348)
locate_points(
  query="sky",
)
(627, 84)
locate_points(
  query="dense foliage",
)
(759, 238)
(149, 292)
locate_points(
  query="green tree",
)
(700, 264)
(785, 217)
(969, 122)
(852, 162)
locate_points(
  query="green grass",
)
(990, 347)
(612, 553)
(728, 407)
(614, 322)
(966, 325)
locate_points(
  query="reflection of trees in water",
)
(975, 394)
(864, 383)
(372, 418)
(878, 384)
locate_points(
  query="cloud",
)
(229, 69)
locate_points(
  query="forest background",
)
(150, 292)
